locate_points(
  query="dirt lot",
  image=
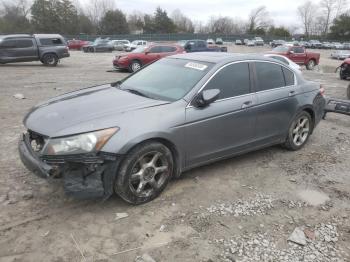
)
(242, 209)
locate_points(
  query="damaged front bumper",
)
(85, 175)
(337, 106)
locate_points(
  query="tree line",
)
(328, 18)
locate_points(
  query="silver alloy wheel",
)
(50, 60)
(149, 173)
(311, 64)
(301, 131)
(135, 66)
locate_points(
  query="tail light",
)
(322, 90)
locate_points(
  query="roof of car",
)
(14, 36)
(47, 35)
(220, 57)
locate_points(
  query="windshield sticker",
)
(196, 66)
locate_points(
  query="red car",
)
(298, 55)
(77, 44)
(144, 55)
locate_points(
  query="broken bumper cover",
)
(84, 176)
(338, 106)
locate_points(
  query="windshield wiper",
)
(136, 92)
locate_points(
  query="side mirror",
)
(206, 97)
(147, 52)
(291, 52)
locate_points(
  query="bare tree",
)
(306, 13)
(182, 22)
(96, 9)
(259, 18)
(341, 7)
(328, 7)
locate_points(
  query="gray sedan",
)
(131, 137)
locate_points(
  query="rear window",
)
(51, 41)
(269, 76)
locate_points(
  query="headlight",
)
(79, 144)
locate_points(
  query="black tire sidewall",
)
(134, 62)
(308, 65)
(121, 185)
(348, 91)
(45, 58)
(289, 142)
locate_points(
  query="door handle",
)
(247, 104)
(292, 93)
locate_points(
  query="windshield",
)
(167, 79)
(140, 49)
(281, 49)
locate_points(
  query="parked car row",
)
(257, 41)
(218, 41)
(315, 44)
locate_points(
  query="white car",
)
(340, 54)
(250, 43)
(135, 44)
(238, 42)
(337, 45)
(210, 41)
(285, 60)
(119, 45)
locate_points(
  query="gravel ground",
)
(242, 209)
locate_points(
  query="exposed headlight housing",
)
(79, 144)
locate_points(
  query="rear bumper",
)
(65, 55)
(85, 176)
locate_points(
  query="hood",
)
(84, 110)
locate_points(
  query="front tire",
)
(135, 66)
(50, 60)
(144, 173)
(299, 131)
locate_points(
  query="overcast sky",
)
(283, 12)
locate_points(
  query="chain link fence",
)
(173, 37)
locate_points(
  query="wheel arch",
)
(165, 141)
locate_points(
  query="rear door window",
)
(298, 50)
(233, 80)
(156, 49)
(269, 76)
(288, 76)
(168, 49)
(24, 43)
(10, 43)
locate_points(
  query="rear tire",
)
(299, 131)
(311, 65)
(91, 50)
(144, 173)
(50, 60)
(341, 75)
